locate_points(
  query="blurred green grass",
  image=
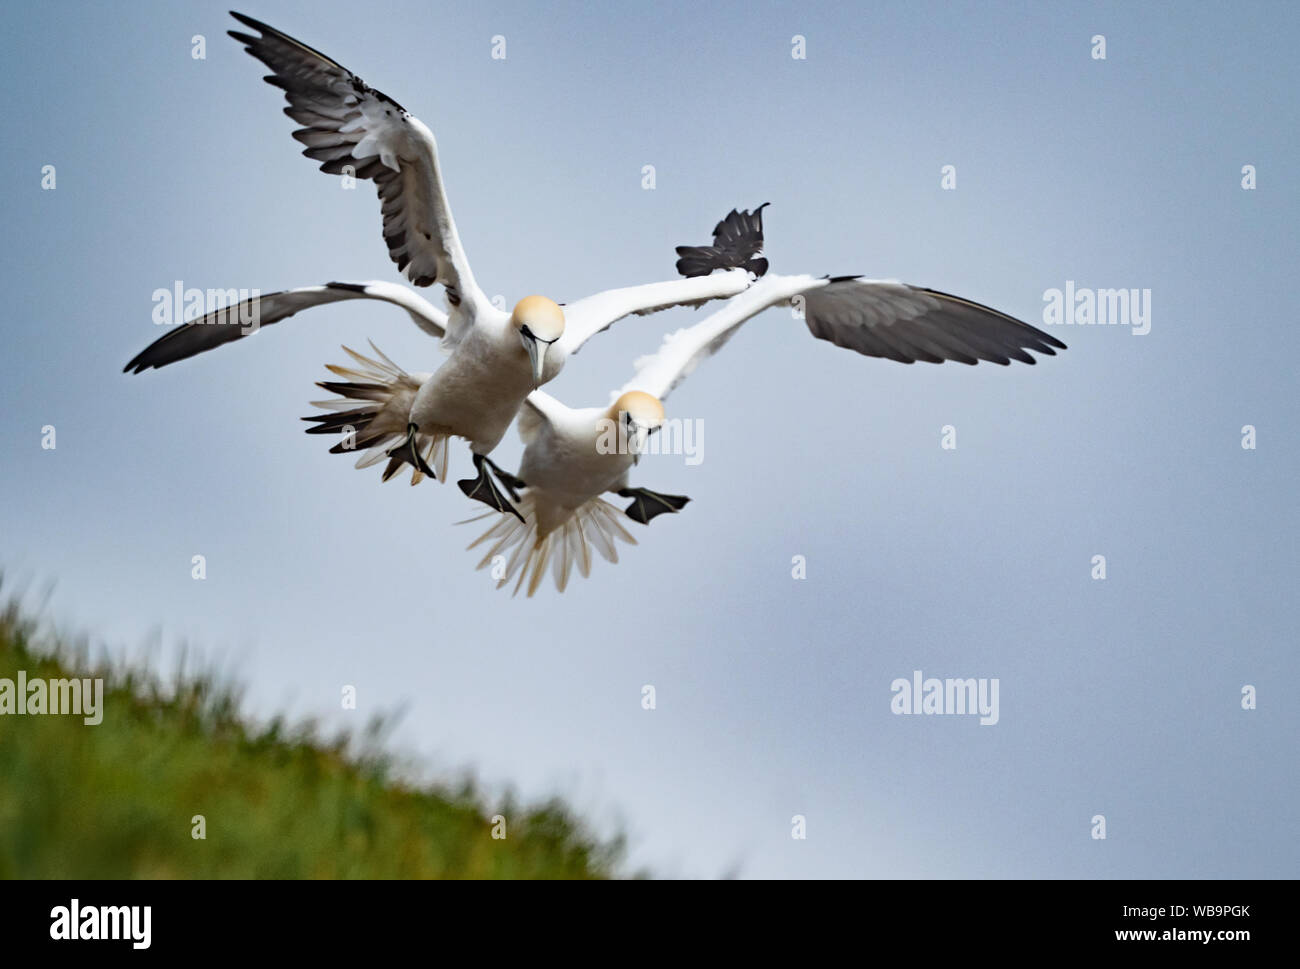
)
(116, 800)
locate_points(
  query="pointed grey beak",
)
(640, 434)
(536, 356)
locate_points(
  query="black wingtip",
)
(248, 21)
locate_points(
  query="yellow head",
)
(540, 322)
(639, 414)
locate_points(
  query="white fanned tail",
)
(595, 524)
(372, 412)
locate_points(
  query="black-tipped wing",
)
(909, 323)
(876, 318)
(737, 242)
(230, 323)
(350, 128)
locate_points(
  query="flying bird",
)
(572, 457)
(497, 358)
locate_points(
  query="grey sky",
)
(1118, 697)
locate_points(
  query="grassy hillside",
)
(116, 800)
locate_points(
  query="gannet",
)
(497, 358)
(571, 458)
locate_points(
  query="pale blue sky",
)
(1117, 697)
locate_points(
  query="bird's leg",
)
(513, 484)
(483, 489)
(407, 453)
(646, 504)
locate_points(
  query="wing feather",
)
(229, 323)
(877, 318)
(587, 317)
(351, 128)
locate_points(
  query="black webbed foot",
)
(483, 489)
(512, 484)
(406, 453)
(647, 504)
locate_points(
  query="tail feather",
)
(379, 424)
(529, 556)
(580, 548)
(332, 404)
(374, 453)
(608, 522)
(335, 421)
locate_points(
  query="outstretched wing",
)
(352, 128)
(587, 317)
(229, 323)
(877, 318)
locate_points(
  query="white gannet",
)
(568, 462)
(496, 357)
(571, 458)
